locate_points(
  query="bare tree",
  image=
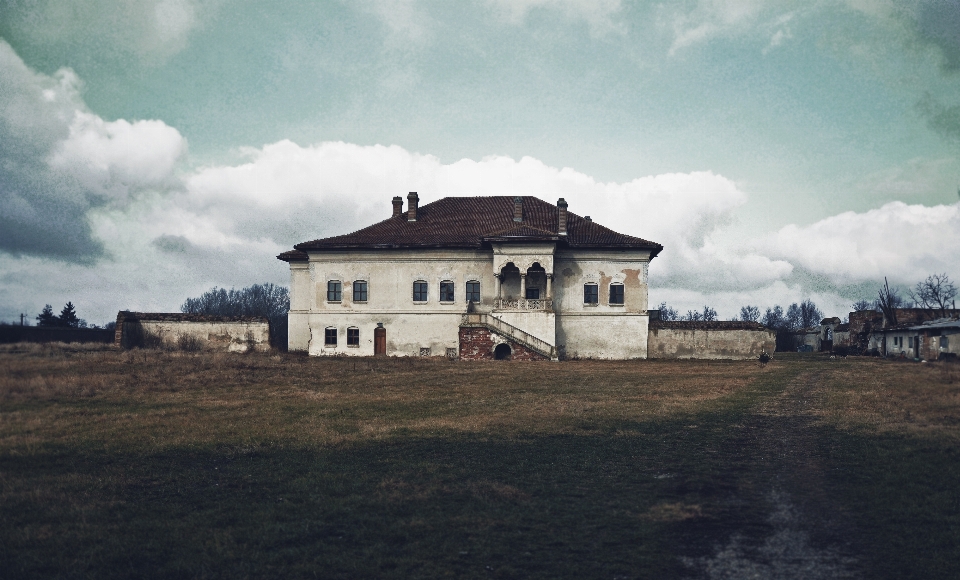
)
(888, 302)
(810, 315)
(708, 314)
(667, 313)
(861, 305)
(774, 318)
(749, 313)
(934, 293)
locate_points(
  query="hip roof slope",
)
(469, 222)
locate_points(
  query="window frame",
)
(451, 292)
(610, 297)
(364, 290)
(353, 337)
(424, 292)
(532, 289)
(469, 294)
(334, 288)
(595, 294)
(329, 333)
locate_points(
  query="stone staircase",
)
(493, 324)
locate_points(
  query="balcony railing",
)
(539, 304)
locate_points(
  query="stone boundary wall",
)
(709, 340)
(478, 343)
(192, 332)
(14, 333)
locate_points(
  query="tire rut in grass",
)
(782, 522)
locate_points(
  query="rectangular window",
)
(944, 343)
(334, 291)
(533, 294)
(473, 291)
(419, 291)
(616, 294)
(353, 337)
(446, 292)
(590, 294)
(330, 337)
(359, 291)
(910, 342)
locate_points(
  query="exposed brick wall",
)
(477, 343)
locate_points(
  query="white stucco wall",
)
(588, 331)
(229, 336)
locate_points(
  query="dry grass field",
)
(155, 464)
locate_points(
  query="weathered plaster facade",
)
(212, 333)
(547, 276)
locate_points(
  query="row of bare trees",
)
(936, 294)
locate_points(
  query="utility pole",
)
(22, 316)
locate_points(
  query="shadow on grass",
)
(618, 501)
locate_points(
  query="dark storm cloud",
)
(58, 161)
(941, 118)
(938, 23)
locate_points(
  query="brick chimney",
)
(518, 209)
(412, 202)
(397, 206)
(562, 216)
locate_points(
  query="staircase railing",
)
(502, 328)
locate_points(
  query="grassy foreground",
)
(164, 464)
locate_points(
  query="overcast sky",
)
(778, 149)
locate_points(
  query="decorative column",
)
(496, 285)
(549, 286)
(523, 286)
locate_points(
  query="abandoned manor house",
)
(474, 278)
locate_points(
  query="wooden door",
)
(380, 341)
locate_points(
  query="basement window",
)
(616, 294)
(360, 291)
(330, 337)
(446, 291)
(353, 337)
(591, 294)
(419, 291)
(334, 291)
(473, 291)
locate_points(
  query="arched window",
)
(591, 293)
(447, 293)
(420, 291)
(360, 291)
(616, 293)
(330, 336)
(473, 291)
(334, 291)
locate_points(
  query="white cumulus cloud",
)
(903, 242)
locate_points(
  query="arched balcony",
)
(529, 289)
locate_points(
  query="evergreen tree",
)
(68, 316)
(47, 317)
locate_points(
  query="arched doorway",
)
(379, 340)
(502, 352)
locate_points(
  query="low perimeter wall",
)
(709, 340)
(192, 332)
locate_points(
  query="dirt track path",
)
(805, 534)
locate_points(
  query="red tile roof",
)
(472, 222)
